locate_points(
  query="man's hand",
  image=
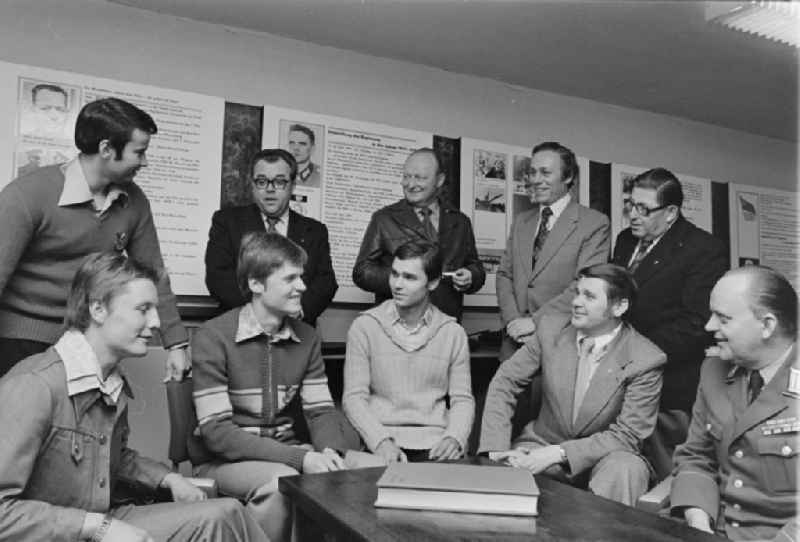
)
(537, 459)
(182, 490)
(178, 364)
(320, 462)
(119, 531)
(698, 518)
(447, 448)
(462, 280)
(519, 328)
(390, 452)
(335, 457)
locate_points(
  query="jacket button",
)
(737, 506)
(786, 450)
(739, 454)
(102, 482)
(734, 524)
(737, 483)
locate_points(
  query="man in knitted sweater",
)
(51, 218)
(404, 358)
(249, 365)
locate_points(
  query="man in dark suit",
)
(675, 265)
(600, 386)
(274, 173)
(547, 246)
(736, 474)
(421, 216)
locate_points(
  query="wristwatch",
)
(563, 454)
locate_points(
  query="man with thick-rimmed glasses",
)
(273, 179)
(675, 264)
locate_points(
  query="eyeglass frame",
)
(643, 210)
(262, 182)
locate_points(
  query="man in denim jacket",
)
(64, 454)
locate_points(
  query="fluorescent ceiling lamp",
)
(778, 21)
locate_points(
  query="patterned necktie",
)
(754, 385)
(272, 223)
(427, 224)
(640, 254)
(583, 376)
(541, 235)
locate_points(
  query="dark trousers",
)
(416, 456)
(15, 350)
(672, 426)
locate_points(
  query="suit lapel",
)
(524, 242)
(252, 220)
(407, 219)
(562, 229)
(296, 228)
(564, 370)
(770, 401)
(665, 250)
(606, 380)
(447, 221)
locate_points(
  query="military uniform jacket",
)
(739, 462)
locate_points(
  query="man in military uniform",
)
(736, 474)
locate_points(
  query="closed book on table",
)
(458, 488)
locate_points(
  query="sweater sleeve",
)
(462, 404)
(144, 247)
(17, 226)
(25, 416)
(215, 413)
(355, 399)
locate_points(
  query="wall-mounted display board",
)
(492, 194)
(764, 229)
(38, 108)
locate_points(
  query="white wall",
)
(108, 40)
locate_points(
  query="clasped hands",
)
(535, 460)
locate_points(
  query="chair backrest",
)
(182, 418)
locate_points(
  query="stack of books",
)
(458, 488)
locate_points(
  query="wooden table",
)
(341, 503)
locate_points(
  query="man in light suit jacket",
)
(600, 387)
(675, 264)
(547, 246)
(736, 474)
(274, 173)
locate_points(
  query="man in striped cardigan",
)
(250, 363)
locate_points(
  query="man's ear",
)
(98, 312)
(105, 150)
(440, 178)
(256, 286)
(620, 307)
(769, 324)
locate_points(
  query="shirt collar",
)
(768, 372)
(601, 342)
(249, 327)
(83, 368)
(394, 315)
(559, 205)
(76, 187)
(284, 218)
(655, 241)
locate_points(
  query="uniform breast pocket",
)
(778, 457)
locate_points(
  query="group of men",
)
(612, 349)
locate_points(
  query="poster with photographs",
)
(38, 110)
(347, 170)
(765, 229)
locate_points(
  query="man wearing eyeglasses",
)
(421, 216)
(273, 180)
(675, 264)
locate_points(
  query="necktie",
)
(271, 224)
(640, 254)
(541, 235)
(584, 374)
(427, 224)
(754, 385)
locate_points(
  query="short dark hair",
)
(664, 182)
(50, 88)
(431, 152)
(569, 164)
(306, 130)
(100, 277)
(112, 119)
(262, 253)
(427, 252)
(619, 282)
(770, 291)
(271, 156)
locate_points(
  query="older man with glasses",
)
(273, 179)
(675, 265)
